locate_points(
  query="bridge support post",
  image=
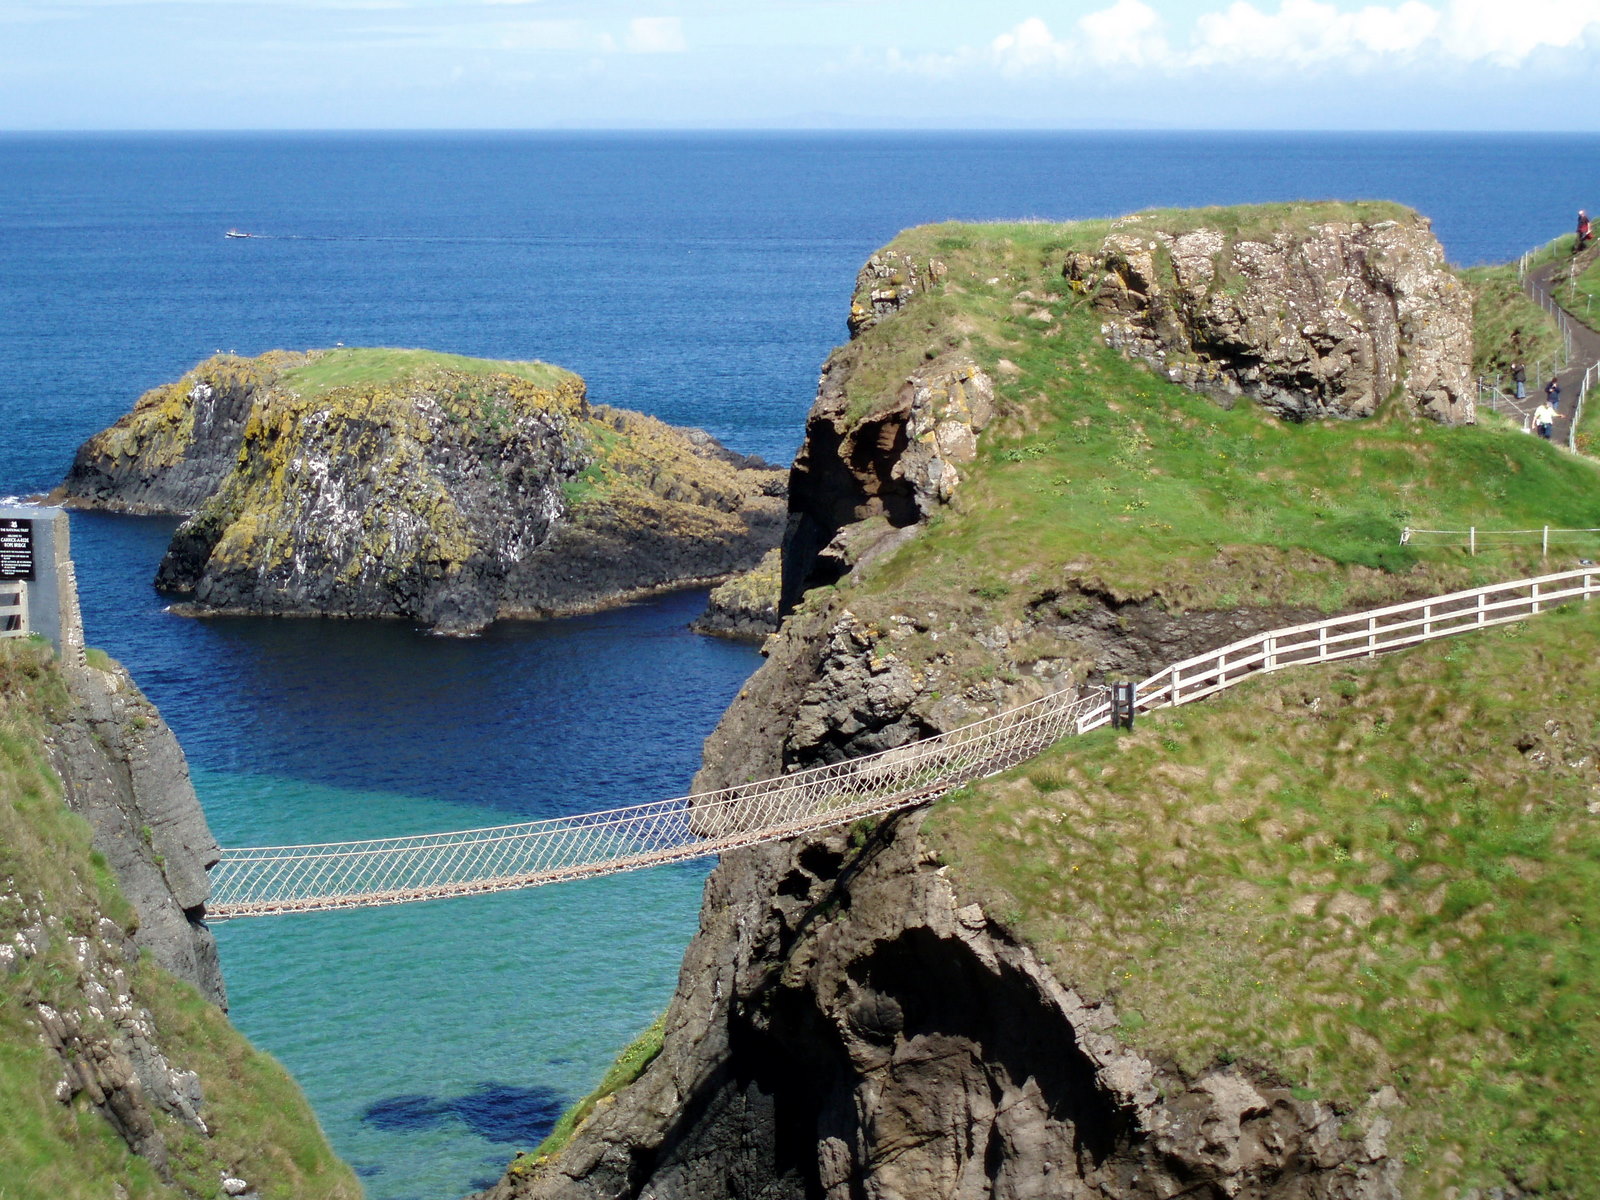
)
(1123, 698)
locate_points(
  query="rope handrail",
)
(265, 880)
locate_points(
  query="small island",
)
(452, 491)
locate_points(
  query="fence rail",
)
(13, 608)
(1364, 634)
(268, 880)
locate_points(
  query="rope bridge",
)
(281, 879)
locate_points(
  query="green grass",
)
(1264, 221)
(630, 1064)
(1507, 326)
(1345, 877)
(262, 1127)
(362, 366)
(1100, 474)
(1583, 299)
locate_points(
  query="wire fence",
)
(1475, 538)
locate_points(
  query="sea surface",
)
(701, 278)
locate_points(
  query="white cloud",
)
(655, 35)
(1507, 33)
(1297, 35)
(1129, 33)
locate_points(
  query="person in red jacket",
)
(1584, 233)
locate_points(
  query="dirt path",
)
(1541, 284)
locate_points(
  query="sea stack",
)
(451, 491)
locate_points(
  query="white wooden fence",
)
(13, 608)
(1364, 634)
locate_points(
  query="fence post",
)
(1372, 637)
(1322, 644)
(1472, 540)
(1544, 551)
(1483, 611)
(1535, 598)
(1272, 653)
(1427, 620)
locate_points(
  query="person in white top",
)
(1543, 418)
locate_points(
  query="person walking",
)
(1519, 376)
(1584, 232)
(1544, 419)
(1552, 393)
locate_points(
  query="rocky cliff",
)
(1001, 495)
(451, 491)
(121, 1070)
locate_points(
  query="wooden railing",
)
(1364, 634)
(13, 608)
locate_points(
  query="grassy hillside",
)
(1377, 873)
(1100, 474)
(1508, 326)
(262, 1128)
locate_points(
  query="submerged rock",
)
(402, 483)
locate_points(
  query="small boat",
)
(238, 233)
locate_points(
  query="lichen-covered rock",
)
(889, 281)
(1325, 320)
(180, 441)
(747, 605)
(450, 491)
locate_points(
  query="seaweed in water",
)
(496, 1112)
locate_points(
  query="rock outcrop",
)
(747, 605)
(894, 466)
(452, 492)
(123, 771)
(1327, 319)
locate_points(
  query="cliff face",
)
(119, 1074)
(178, 444)
(371, 483)
(846, 1026)
(1324, 320)
(123, 771)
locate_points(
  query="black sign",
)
(16, 548)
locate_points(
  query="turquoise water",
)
(395, 1020)
(700, 278)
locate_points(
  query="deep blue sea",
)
(701, 278)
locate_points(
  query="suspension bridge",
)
(264, 881)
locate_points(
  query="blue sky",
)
(551, 64)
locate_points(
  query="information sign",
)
(16, 548)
